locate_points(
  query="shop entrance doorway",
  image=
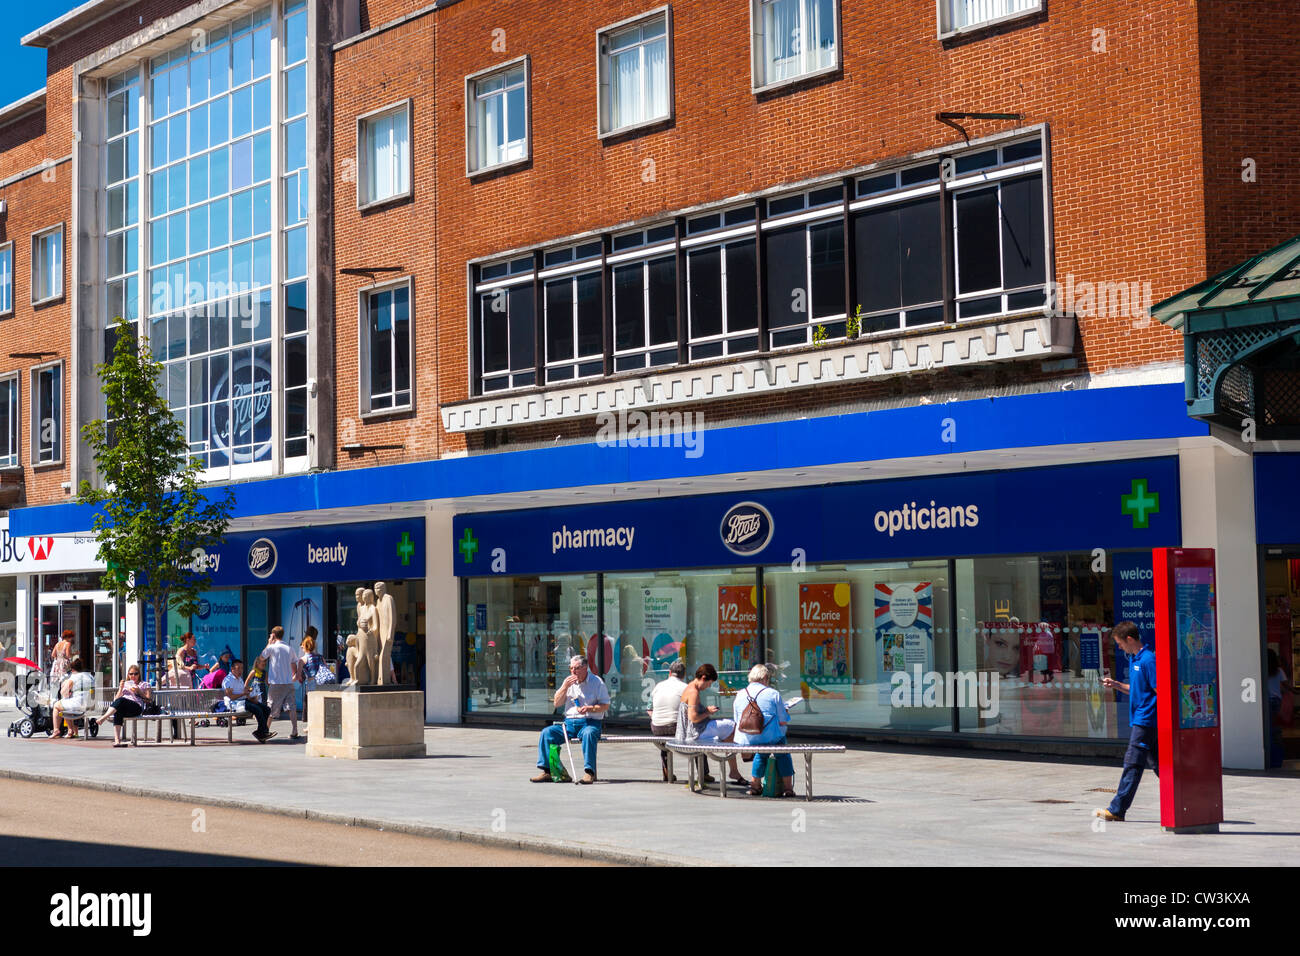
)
(1282, 636)
(93, 636)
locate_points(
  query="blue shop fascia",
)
(1014, 576)
(305, 577)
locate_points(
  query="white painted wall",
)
(1218, 501)
(442, 663)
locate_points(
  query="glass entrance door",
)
(105, 646)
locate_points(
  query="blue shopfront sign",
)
(1117, 504)
(1277, 506)
(368, 551)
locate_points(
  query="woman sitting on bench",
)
(132, 697)
(696, 724)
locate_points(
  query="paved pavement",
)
(875, 806)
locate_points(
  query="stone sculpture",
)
(363, 646)
(386, 613)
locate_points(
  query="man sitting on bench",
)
(663, 706)
(584, 715)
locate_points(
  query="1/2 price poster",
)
(904, 626)
(737, 627)
(825, 622)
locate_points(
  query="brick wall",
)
(35, 203)
(1250, 63)
(1116, 83)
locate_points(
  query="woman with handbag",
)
(761, 718)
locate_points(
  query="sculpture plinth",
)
(366, 722)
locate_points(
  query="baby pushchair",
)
(36, 703)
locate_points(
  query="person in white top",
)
(74, 699)
(238, 701)
(282, 672)
(663, 707)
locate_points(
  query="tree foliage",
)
(153, 516)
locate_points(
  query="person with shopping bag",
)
(761, 718)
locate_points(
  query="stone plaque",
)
(333, 718)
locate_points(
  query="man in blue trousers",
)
(584, 715)
(1141, 688)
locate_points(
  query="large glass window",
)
(47, 414)
(386, 155)
(721, 280)
(297, 193)
(645, 298)
(122, 200)
(794, 38)
(635, 74)
(805, 269)
(955, 15)
(521, 632)
(839, 633)
(47, 265)
(9, 421)
(387, 349)
(575, 339)
(496, 112)
(1039, 625)
(507, 338)
(6, 278)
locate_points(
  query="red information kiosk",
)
(1187, 690)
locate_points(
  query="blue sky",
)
(24, 67)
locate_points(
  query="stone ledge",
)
(1033, 337)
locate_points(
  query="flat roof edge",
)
(72, 22)
(19, 108)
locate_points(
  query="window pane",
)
(1023, 242)
(590, 338)
(559, 319)
(978, 265)
(402, 345)
(742, 281)
(493, 308)
(827, 242)
(787, 293)
(704, 268)
(875, 233)
(629, 307)
(381, 322)
(663, 300)
(522, 353)
(920, 251)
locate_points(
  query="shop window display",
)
(1039, 626)
(838, 635)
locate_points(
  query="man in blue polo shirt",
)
(1141, 689)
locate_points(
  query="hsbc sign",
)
(42, 554)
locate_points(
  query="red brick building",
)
(470, 257)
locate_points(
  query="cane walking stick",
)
(573, 771)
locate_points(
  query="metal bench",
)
(660, 743)
(181, 706)
(722, 752)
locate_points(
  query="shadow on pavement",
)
(33, 851)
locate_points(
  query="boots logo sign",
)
(262, 557)
(746, 528)
(40, 548)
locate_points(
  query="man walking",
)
(281, 675)
(584, 715)
(1142, 742)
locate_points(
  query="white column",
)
(134, 632)
(24, 608)
(1218, 501)
(442, 658)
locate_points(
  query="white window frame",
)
(35, 411)
(945, 17)
(9, 248)
(364, 199)
(473, 164)
(36, 261)
(363, 346)
(757, 41)
(14, 424)
(604, 81)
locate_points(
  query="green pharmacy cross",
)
(1140, 504)
(405, 549)
(468, 545)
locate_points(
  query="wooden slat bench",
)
(722, 752)
(184, 705)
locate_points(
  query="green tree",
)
(153, 516)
